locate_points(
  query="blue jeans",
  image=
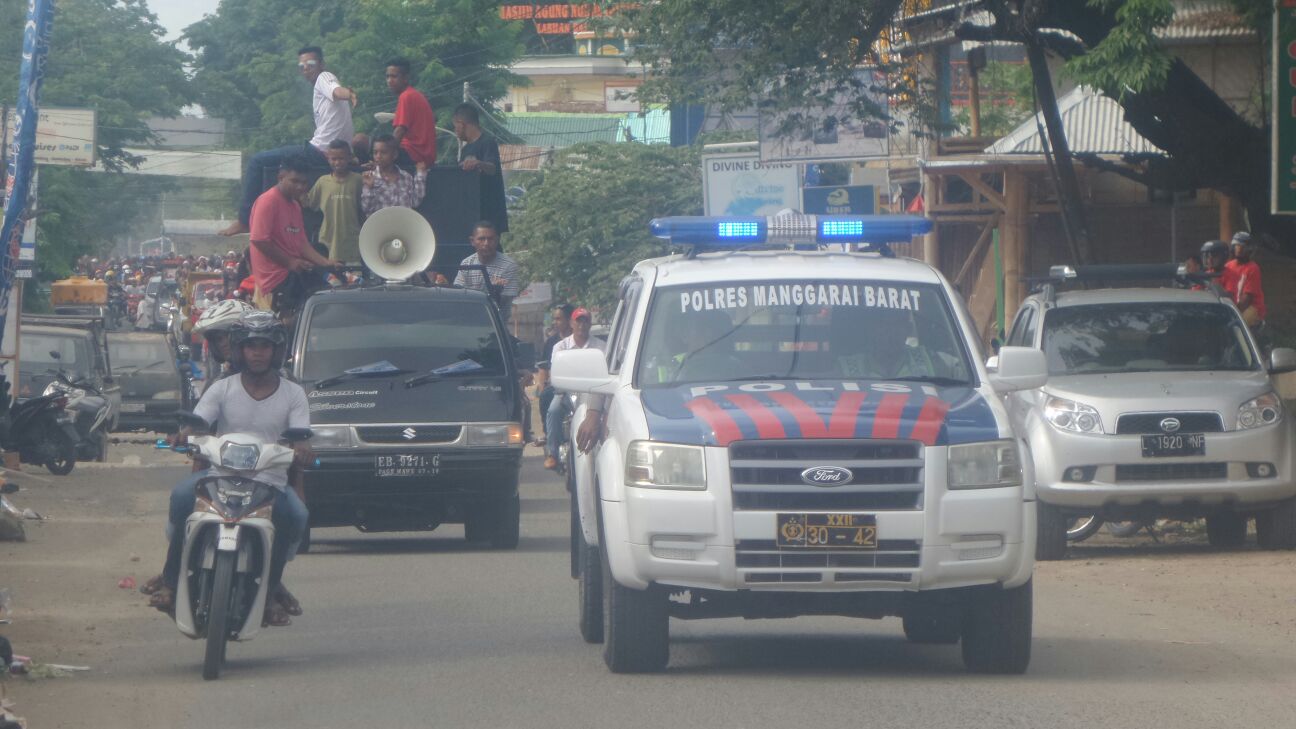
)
(554, 416)
(289, 517)
(546, 399)
(254, 178)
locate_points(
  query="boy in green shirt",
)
(337, 195)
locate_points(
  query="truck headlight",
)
(987, 465)
(1264, 410)
(663, 466)
(495, 435)
(1073, 416)
(331, 436)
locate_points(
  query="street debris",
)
(126, 583)
(11, 522)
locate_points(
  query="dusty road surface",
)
(419, 630)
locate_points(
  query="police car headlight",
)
(663, 466)
(331, 436)
(987, 465)
(1264, 410)
(1074, 416)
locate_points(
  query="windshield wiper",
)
(137, 368)
(427, 377)
(344, 376)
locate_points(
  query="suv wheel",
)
(1276, 527)
(589, 592)
(1051, 533)
(997, 631)
(1226, 529)
(636, 626)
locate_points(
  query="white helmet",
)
(220, 317)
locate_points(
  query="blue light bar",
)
(742, 231)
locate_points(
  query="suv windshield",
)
(1145, 337)
(807, 330)
(413, 335)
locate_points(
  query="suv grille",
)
(409, 433)
(1171, 471)
(1149, 423)
(766, 475)
(763, 562)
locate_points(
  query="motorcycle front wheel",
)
(218, 616)
(62, 464)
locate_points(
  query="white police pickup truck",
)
(794, 429)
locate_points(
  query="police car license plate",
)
(399, 465)
(827, 531)
(1177, 445)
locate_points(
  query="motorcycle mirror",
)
(293, 435)
(9, 488)
(183, 353)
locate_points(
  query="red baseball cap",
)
(580, 312)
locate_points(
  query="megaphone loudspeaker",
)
(396, 243)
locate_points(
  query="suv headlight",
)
(495, 435)
(1264, 410)
(987, 465)
(331, 436)
(1074, 416)
(663, 466)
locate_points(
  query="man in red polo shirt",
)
(279, 244)
(415, 123)
(1244, 282)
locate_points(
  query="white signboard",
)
(63, 136)
(621, 99)
(220, 165)
(741, 184)
(834, 133)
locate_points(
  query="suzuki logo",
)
(409, 433)
(827, 476)
(1170, 425)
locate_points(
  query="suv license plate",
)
(827, 531)
(407, 465)
(1169, 446)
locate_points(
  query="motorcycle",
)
(43, 433)
(88, 408)
(225, 562)
(118, 313)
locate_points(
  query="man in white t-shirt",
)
(260, 402)
(559, 407)
(331, 105)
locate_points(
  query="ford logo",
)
(827, 476)
(1170, 425)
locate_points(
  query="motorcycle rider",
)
(214, 327)
(256, 401)
(1244, 283)
(1215, 256)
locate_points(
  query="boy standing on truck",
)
(337, 195)
(415, 123)
(388, 186)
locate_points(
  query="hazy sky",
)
(176, 15)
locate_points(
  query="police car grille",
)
(1148, 423)
(766, 475)
(1171, 471)
(409, 433)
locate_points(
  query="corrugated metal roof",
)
(554, 130)
(1094, 124)
(1198, 20)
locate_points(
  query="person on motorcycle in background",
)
(256, 401)
(1244, 283)
(214, 326)
(1215, 256)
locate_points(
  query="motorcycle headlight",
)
(1074, 416)
(987, 465)
(239, 457)
(663, 466)
(495, 435)
(167, 395)
(331, 436)
(1264, 410)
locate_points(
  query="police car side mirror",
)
(582, 370)
(1282, 360)
(1019, 368)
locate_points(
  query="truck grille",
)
(1149, 423)
(413, 434)
(1172, 472)
(766, 475)
(762, 562)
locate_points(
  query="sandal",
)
(288, 602)
(152, 585)
(163, 599)
(275, 616)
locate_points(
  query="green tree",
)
(586, 223)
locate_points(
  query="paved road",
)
(413, 631)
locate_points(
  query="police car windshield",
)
(804, 330)
(413, 336)
(1145, 337)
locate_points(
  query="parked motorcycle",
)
(225, 563)
(89, 409)
(42, 432)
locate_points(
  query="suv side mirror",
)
(525, 355)
(1019, 368)
(582, 370)
(1282, 360)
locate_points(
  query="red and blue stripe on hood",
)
(717, 415)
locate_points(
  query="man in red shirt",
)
(415, 123)
(1245, 280)
(279, 244)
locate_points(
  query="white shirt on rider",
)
(227, 404)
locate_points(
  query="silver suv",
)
(1158, 405)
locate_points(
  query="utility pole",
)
(467, 96)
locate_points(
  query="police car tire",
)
(1050, 534)
(1276, 527)
(589, 592)
(1226, 529)
(997, 631)
(931, 629)
(636, 626)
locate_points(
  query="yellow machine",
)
(79, 291)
